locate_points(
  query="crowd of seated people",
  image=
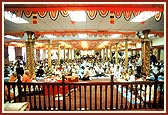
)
(88, 69)
(91, 67)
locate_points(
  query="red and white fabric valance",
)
(53, 15)
(103, 13)
(42, 14)
(92, 14)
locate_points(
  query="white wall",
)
(156, 42)
(159, 41)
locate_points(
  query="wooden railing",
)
(90, 96)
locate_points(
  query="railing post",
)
(19, 90)
(155, 90)
(112, 78)
(63, 86)
(111, 97)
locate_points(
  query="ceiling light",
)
(115, 35)
(14, 43)
(50, 36)
(77, 16)
(13, 18)
(105, 42)
(151, 35)
(82, 35)
(143, 16)
(11, 37)
(84, 44)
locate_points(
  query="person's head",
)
(83, 67)
(161, 73)
(138, 55)
(130, 72)
(137, 76)
(14, 74)
(27, 72)
(41, 67)
(13, 77)
(144, 75)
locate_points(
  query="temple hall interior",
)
(83, 56)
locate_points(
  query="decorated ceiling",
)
(102, 21)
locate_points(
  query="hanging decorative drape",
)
(118, 14)
(53, 15)
(158, 16)
(92, 14)
(58, 34)
(64, 13)
(103, 13)
(42, 14)
(136, 13)
(27, 13)
(127, 15)
(68, 34)
(19, 13)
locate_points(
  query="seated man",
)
(92, 72)
(86, 74)
(100, 71)
(81, 72)
(26, 77)
(13, 78)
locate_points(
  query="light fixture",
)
(84, 44)
(77, 16)
(82, 35)
(103, 44)
(13, 18)
(14, 43)
(115, 35)
(151, 35)
(50, 36)
(143, 16)
(20, 45)
(37, 44)
(11, 37)
(62, 43)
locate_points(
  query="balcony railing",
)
(88, 96)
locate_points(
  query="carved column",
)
(64, 53)
(106, 53)
(49, 54)
(59, 53)
(110, 53)
(116, 52)
(126, 54)
(30, 62)
(145, 53)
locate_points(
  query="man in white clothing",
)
(138, 64)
